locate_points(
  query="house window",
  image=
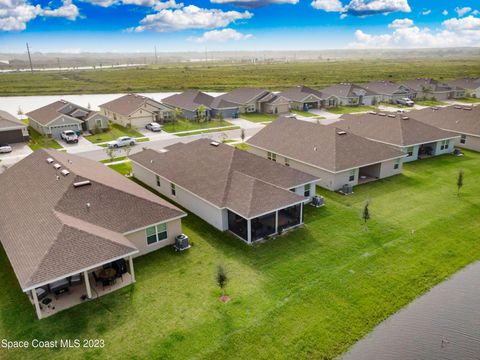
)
(271, 156)
(250, 108)
(444, 144)
(410, 151)
(157, 178)
(173, 189)
(156, 233)
(287, 162)
(99, 123)
(463, 139)
(397, 164)
(352, 176)
(307, 190)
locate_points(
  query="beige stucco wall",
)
(139, 238)
(388, 168)
(472, 143)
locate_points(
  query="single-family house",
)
(471, 86)
(430, 88)
(335, 156)
(191, 103)
(461, 120)
(389, 91)
(12, 130)
(352, 94)
(250, 100)
(135, 110)
(415, 138)
(304, 98)
(71, 227)
(229, 188)
(62, 115)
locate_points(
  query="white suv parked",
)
(122, 141)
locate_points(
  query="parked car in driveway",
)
(69, 136)
(153, 126)
(5, 148)
(122, 141)
(405, 101)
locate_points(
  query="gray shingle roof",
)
(346, 90)
(7, 120)
(323, 146)
(299, 93)
(422, 83)
(392, 128)
(47, 229)
(461, 119)
(192, 99)
(466, 83)
(129, 103)
(383, 87)
(242, 96)
(226, 176)
(50, 112)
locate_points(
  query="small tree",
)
(111, 153)
(366, 213)
(222, 280)
(127, 148)
(242, 134)
(220, 116)
(459, 182)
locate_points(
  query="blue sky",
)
(138, 25)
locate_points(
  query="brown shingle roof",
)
(43, 218)
(243, 95)
(383, 87)
(299, 93)
(421, 83)
(222, 175)
(466, 83)
(393, 128)
(461, 119)
(346, 90)
(323, 146)
(127, 104)
(192, 99)
(47, 113)
(7, 120)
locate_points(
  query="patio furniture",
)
(60, 287)
(120, 267)
(75, 279)
(41, 293)
(107, 276)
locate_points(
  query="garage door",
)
(11, 136)
(57, 130)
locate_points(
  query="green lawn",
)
(429, 102)
(351, 109)
(119, 158)
(38, 141)
(469, 100)
(123, 168)
(257, 117)
(303, 113)
(115, 132)
(309, 294)
(187, 125)
(392, 105)
(227, 128)
(242, 146)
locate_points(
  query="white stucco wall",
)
(472, 143)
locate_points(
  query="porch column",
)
(301, 213)
(276, 221)
(249, 231)
(37, 305)
(87, 284)
(130, 265)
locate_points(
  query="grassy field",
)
(38, 141)
(350, 109)
(114, 133)
(227, 77)
(311, 293)
(187, 125)
(258, 117)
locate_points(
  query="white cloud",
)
(475, 12)
(343, 16)
(463, 11)
(327, 5)
(15, 14)
(445, 12)
(455, 32)
(400, 23)
(222, 36)
(254, 3)
(189, 17)
(102, 3)
(426, 12)
(372, 7)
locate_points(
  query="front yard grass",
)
(187, 125)
(429, 102)
(38, 141)
(310, 293)
(226, 128)
(303, 113)
(113, 133)
(258, 117)
(351, 109)
(470, 100)
(124, 168)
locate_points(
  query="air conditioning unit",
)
(347, 189)
(318, 201)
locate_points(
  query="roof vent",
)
(372, 112)
(434, 108)
(405, 118)
(314, 148)
(215, 143)
(457, 107)
(57, 166)
(467, 108)
(88, 205)
(341, 133)
(382, 114)
(65, 172)
(391, 115)
(50, 160)
(81, 183)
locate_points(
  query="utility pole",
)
(29, 58)
(206, 56)
(156, 57)
(59, 65)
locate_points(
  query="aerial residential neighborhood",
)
(240, 179)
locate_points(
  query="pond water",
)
(442, 324)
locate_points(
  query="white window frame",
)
(161, 233)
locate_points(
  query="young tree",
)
(201, 113)
(459, 182)
(222, 279)
(242, 134)
(366, 213)
(127, 148)
(220, 116)
(111, 153)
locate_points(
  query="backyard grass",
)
(429, 102)
(119, 158)
(351, 109)
(38, 141)
(242, 146)
(114, 133)
(257, 117)
(124, 168)
(226, 128)
(225, 77)
(187, 125)
(310, 293)
(303, 113)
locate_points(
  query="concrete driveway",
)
(20, 150)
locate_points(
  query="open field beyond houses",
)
(311, 293)
(227, 77)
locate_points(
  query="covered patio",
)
(60, 294)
